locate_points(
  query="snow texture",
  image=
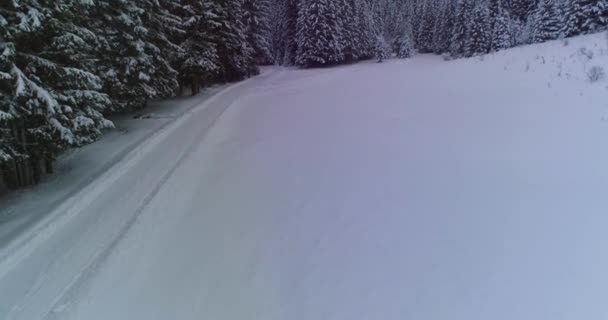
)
(358, 192)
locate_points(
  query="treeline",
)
(65, 65)
(312, 33)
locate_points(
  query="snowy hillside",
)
(357, 192)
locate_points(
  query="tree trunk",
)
(49, 166)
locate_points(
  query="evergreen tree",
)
(236, 55)
(502, 37)
(575, 18)
(126, 58)
(522, 10)
(200, 62)
(405, 45)
(257, 27)
(365, 29)
(425, 39)
(479, 34)
(548, 21)
(286, 45)
(318, 34)
(584, 16)
(48, 99)
(444, 26)
(462, 20)
(381, 49)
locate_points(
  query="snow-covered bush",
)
(381, 49)
(404, 46)
(596, 73)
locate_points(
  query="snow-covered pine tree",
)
(162, 36)
(200, 62)
(285, 35)
(444, 26)
(575, 18)
(404, 45)
(365, 29)
(548, 21)
(382, 50)
(427, 29)
(462, 20)
(48, 100)
(126, 58)
(502, 36)
(318, 34)
(257, 15)
(234, 51)
(479, 35)
(521, 10)
(595, 16)
(348, 28)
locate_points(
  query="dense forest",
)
(67, 65)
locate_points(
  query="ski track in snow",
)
(358, 192)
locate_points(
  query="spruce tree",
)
(200, 61)
(462, 20)
(502, 37)
(126, 59)
(405, 46)
(49, 101)
(381, 49)
(257, 15)
(318, 34)
(235, 53)
(479, 35)
(548, 21)
(425, 39)
(444, 26)
(575, 18)
(522, 10)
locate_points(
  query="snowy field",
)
(417, 189)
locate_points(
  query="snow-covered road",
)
(358, 192)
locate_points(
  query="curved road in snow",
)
(347, 193)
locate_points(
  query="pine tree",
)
(126, 59)
(479, 34)
(521, 10)
(425, 39)
(365, 29)
(575, 18)
(502, 37)
(548, 21)
(381, 49)
(584, 16)
(405, 45)
(49, 101)
(200, 61)
(235, 53)
(163, 32)
(318, 34)
(444, 26)
(462, 21)
(285, 39)
(257, 28)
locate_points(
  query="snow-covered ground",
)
(418, 189)
(76, 168)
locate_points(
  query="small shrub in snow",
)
(596, 74)
(404, 47)
(381, 49)
(586, 53)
